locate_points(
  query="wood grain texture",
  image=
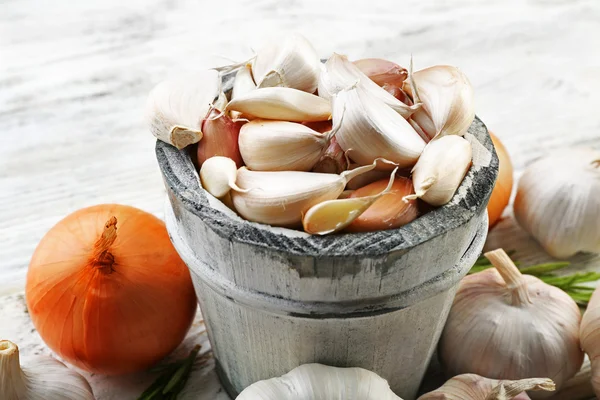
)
(74, 77)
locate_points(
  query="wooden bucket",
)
(274, 298)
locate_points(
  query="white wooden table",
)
(74, 78)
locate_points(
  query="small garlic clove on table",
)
(176, 108)
(280, 103)
(441, 169)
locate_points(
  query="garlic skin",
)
(333, 160)
(558, 202)
(280, 198)
(589, 334)
(371, 130)
(339, 74)
(281, 103)
(218, 175)
(504, 325)
(176, 108)
(281, 146)
(321, 382)
(441, 169)
(292, 62)
(243, 82)
(42, 378)
(447, 97)
(475, 387)
(382, 72)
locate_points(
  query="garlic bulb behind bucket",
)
(42, 378)
(558, 202)
(321, 382)
(504, 325)
(475, 387)
(590, 337)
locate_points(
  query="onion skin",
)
(115, 309)
(390, 211)
(504, 184)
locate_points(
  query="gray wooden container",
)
(274, 298)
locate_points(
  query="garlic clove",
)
(441, 169)
(281, 103)
(281, 146)
(388, 212)
(176, 108)
(39, 378)
(382, 71)
(292, 62)
(558, 202)
(334, 215)
(316, 381)
(371, 130)
(218, 176)
(242, 84)
(505, 325)
(333, 160)
(280, 198)
(475, 387)
(220, 138)
(447, 97)
(339, 74)
(365, 179)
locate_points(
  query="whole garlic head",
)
(504, 325)
(321, 382)
(558, 202)
(475, 387)
(42, 378)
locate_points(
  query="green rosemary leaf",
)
(543, 269)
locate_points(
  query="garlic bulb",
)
(339, 74)
(589, 334)
(382, 72)
(280, 198)
(291, 62)
(176, 108)
(441, 169)
(558, 202)
(504, 325)
(218, 175)
(334, 215)
(321, 382)
(281, 146)
(42, 378)
(475, 387)
(447, 97)
(372, 130)
(281, 104)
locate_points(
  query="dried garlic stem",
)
(101, 257)
(506, 390)
(511, 275)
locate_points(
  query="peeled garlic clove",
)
(281, 146)
(371, 130)
(333, 160)
(38, 378)
(388, 212)
(558, 202)
(218, 175)
(291, 62)
(339, 74)
(334, 215)
(280, 198)
(176, 108)
(282, 104)
(447, 97)
(590, 337)
(316, 381)
(220, 138)
(505, 325)
(475, 387)
(382, 71)
(441, 169)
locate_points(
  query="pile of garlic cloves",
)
(299, 143)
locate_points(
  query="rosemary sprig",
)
(571, 284)
(172, 380)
